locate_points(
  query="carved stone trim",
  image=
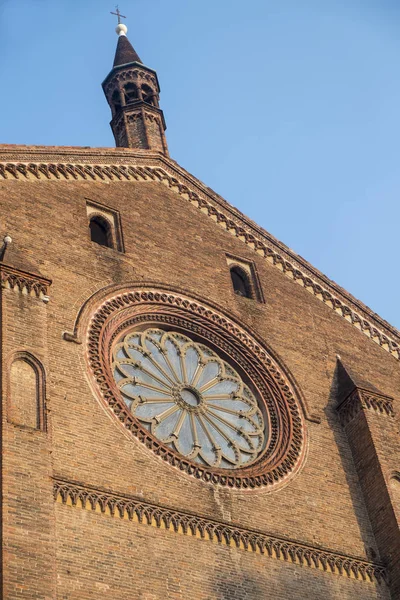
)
(121, 76)
(138, 510)
(230, 219)
(134, 116)
(26, 283)
(133, 308)
(152, 118)
(361, 399)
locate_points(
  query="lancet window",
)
(240, 282)
(148, 94)
(131, 93)
(100, 231)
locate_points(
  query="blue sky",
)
(289, 109)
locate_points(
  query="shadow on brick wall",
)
(267, 586)
(358, 505)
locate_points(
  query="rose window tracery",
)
(194, 387)
(189, 398)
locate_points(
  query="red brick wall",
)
(119, 560)
(28, 511)
(170, 242)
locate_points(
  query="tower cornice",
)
(135, 65)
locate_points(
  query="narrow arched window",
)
(116, 101)
(148, 94)
(240, 282)
(27, 393)
(100, 232)
(131, 93)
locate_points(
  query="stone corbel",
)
(362, 399)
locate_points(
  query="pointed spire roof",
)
(125, 52)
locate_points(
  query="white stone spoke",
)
(179, 424)
(147, 412)
(194, 430)
(215, 449)
(236, 448)
(209, 385)
(206, 430)
(197, 373)
(171, 366)
(157, 400)
(162, 371)
(183, 367)
(226, 410)
(150, 386)
(167, 413)
(220, 431)
(231, 425)
(154, 376)
(207, 398)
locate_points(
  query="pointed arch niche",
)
(26, 392)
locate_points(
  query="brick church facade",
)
(190, 410)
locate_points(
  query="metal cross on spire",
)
(118, 14)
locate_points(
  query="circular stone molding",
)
(189, 398)
(135, 312)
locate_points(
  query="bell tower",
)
(132, 91)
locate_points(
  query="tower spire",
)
(125, 52)
(132, 91)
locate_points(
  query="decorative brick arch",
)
(138, 307)
(37, 410)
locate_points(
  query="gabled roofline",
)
(124, 164)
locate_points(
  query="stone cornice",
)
(118, 164)
(24, 282)
(185, 523)
(362, 399)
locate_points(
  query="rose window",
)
(189, 398)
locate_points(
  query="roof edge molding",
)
(55, 163)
